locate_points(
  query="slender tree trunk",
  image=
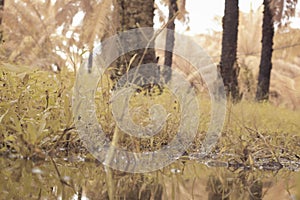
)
(170, 38)
(265, 67)
(1, 10)
(1, 17)
(228, 64)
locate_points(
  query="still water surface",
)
(185, 179)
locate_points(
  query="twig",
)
(62, 181)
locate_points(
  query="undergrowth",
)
(36, 120)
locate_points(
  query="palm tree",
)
(1, 10)
(134, 14)
(275, 11)
(32, 25)
(262, 92)
(228, 64)
(173, 9)
(177, 11)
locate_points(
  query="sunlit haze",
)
(202, 14)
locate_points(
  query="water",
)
(185, 179)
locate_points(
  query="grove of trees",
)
(43, 43)
(54, 40)
(274, 11)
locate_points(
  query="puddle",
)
(184, 179)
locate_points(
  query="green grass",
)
(36, 118)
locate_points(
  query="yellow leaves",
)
(10, 138)
(14, 67)
(35, 129)
(31, 132)
(1, 117)
(15, 122)
(42, 124)
(68, 110)
(36, 107)
(25, 79)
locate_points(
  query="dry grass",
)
(248, 125)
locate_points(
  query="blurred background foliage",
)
(285, 75)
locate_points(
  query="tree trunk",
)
(228, 64)
(170, 38)
(134, 14)
(1, 10)
(265, 67)
(1, 17)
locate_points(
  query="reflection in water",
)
(25, 179)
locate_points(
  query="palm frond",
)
(39, 34)
(95, 22)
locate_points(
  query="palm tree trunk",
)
(228, 64)
(167, 72)
(265, 67)
(1, 17)
(134, 14)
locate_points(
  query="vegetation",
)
(36, 118)
(36, 114)
(37, 74)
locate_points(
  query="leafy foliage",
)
(283, 11)
(182, 15)
(36, 118)
(249, 38)
(39, 34)
(35, 110)
(35, 106)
